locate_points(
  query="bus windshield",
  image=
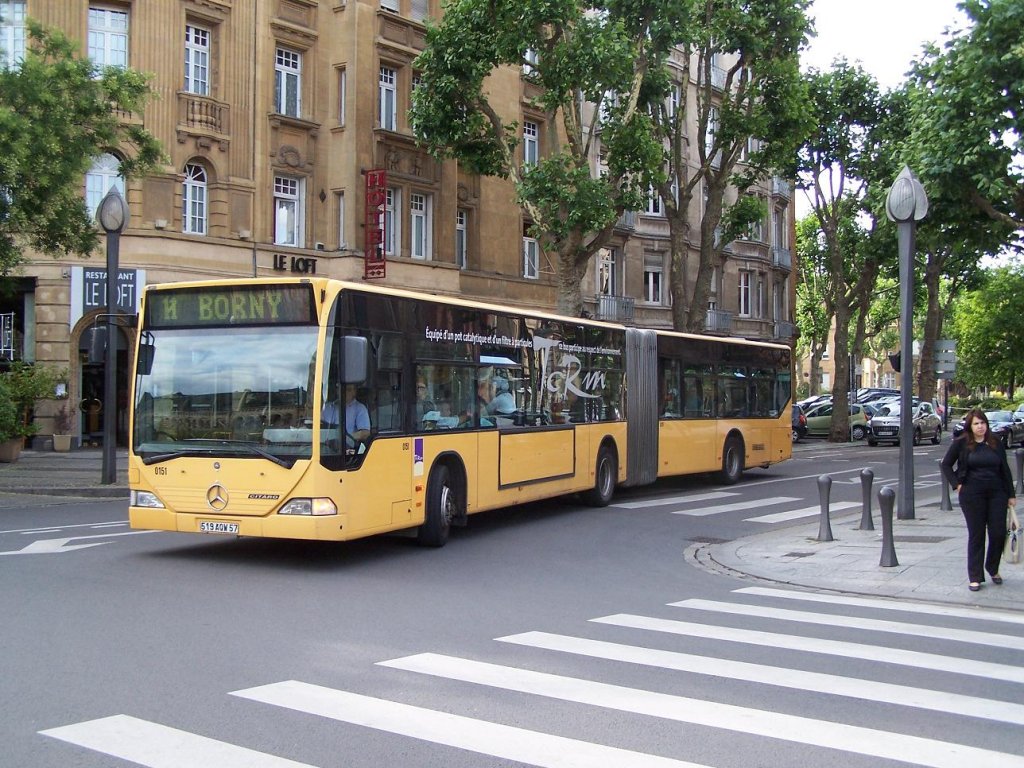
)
(227, 392)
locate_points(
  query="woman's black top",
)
(981, 465)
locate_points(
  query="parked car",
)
(799, 423)
(813, 401)
(1006, 425)
(819, 420)
(870, 394)
(884, 426)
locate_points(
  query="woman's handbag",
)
(1014, 538)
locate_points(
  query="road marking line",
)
(794, 514)
(62, 527)
(158, 746)
(480, 736)
(665, 500)
(703, 511)
(856, 622)
(877, 653)
(793, 728)
(851, 687)
(890, 605)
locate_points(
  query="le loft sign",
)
(303, 265)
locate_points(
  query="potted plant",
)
(21, 386)
(63, 428)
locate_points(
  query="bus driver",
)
(357, 418)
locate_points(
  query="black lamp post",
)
(113, 216)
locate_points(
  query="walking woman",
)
(975, 465)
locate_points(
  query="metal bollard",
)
(886, 501)
(945, 505)
(824, 527)
(866, 478)
(1019, 453)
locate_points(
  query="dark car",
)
(799, 423)
(1006, 425)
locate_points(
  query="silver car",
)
(884, 426)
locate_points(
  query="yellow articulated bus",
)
(320, 409)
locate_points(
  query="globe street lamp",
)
(906, 204)
(112, 215)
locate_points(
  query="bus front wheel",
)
(441, 509)
(606, 473)
(732, 461)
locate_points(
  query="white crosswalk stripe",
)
(749, 504)
(796, 514)
(856, 622)
(664, 501)
(805, 730)
(890, 737)
(157, 746)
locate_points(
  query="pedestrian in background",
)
(975, 466)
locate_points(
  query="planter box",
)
(10, 450)
(62, 443)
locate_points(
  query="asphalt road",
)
(550, 634)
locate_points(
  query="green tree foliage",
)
(989, 327)
(972, 121)
(58, 112)
(839, 163)
(750, 119)
(812, 317)
(591, 62)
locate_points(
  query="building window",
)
(391, 219)
(420, 225)
(531, 147)
(530, 60)
(389, 5)
(779, 225)
(197, 60)
(288, 82)
(388, 105)
(653, 279)
(419, 10)
(104, 174)
(531, 269)
(654, 207)
(288, 211)
(607, 269)
(12, 32)
(709, 136)
(193, 200)
(743, 303)
(778, 302)
(675, 100)
(342, 94)
(461, 244)
(108, 37)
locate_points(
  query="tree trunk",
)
(697, 312)
(680, 252)
(926, 381)
(570, 285)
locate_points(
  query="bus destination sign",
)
(234, 305)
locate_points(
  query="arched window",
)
(104, 174)
(193, 200)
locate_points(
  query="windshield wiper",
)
(212, 442)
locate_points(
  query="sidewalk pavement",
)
(75, 473)
(931, 548)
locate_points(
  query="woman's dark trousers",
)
(984, 510)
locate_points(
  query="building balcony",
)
(201, 116)
(615, 308)
(626, 221)
(782, 258)
(782, 188)
(718, 321)
(784, 331)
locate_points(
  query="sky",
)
(884, 35)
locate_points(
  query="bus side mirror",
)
(354, 359)
(144, 362)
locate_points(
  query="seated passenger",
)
(504, 402)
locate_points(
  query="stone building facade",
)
(270, 113)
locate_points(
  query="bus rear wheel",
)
(606, 473)
(732, 461)
(442, 508)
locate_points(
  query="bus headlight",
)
(309, 507)
(144, 499)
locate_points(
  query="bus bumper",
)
(322, 528)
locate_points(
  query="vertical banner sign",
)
(374, 264)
